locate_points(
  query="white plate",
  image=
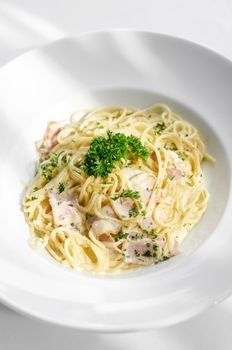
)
(104, 68)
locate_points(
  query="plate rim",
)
(94, 327)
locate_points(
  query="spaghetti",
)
(116, 189)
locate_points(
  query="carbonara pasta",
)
(117, 188)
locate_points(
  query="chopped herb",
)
(61, 187)
(155, 249)
(154, 234)
(67, 159)
(48, 165)
(135, 237)
(147, 254)
(143, 212)
(137, 253)
(159, 128)
(121, 236)
(171, 147)
(105, 152)
(133, 212)
(127, 194)
(72, 224)
(88, 216)
(100, 126)
(166, 257)
(35, 189)
(70, 205)
(149, 189)
(30, 199)
(181, 155)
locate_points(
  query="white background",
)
(28, 23)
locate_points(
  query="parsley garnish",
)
(143, 212)
(147, 254)
(127, 194)
(136, 253)
(159, 128)
(171, 147)
(50, 163)
(35, 189)
(154, 234)
(181, 155)
(61, 187)
(135, 237)
(121, 236)
(105, 152)
(133, 212)
(31, 199)
(88, 216)
(48, 166)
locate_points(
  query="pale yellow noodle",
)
(176, 207)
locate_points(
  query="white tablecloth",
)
(25, 24)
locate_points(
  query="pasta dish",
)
(117, 188)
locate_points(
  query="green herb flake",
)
(88, 216)
(105, 152)
(159, 128)
(147, 254)
(170, 147)
(133, 212)
(61, 187)
(143, 212)
(127, 194)
(48, 165)
(31, 199)
(120, 236)
(181, 155)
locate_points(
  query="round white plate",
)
(105, 68)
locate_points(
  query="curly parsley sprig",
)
(127, 194)
(105, 152)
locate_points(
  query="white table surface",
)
(29, 23)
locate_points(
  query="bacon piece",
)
(64, 212)
(147, 224)
(49, 140)
(139, 252)
(104, 225)
(123, 206)
(174, 174)
(141, 182)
